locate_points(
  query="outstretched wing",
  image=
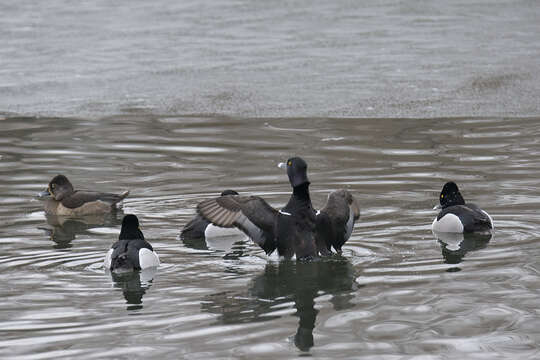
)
(79, 198)
(251, 214)
(336, 220)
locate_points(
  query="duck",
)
(131, 251)
(200, 228)
(456, 216)
(63, 200)
(295, 230)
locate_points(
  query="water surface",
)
(177, 101)
(280, 59)
(396, 292)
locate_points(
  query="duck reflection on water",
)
(134, 285)
(284, 282)
(63, 230)
(455, 246)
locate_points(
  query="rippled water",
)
(177, 101)
(397, 292)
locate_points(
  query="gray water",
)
(397, 292)
(177, 101)
(271, 59)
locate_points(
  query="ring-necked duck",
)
(200, 228)
(131, 251)
(63, 200)
(457, 216)
(295, 229)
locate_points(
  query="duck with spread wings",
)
(297, 229)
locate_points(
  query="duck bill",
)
(437, 207)
(44, 194)
(282, 165)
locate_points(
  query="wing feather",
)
(251, 214)
(79, 198)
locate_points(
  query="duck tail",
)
(122, 261)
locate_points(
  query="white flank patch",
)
(148, 258)
(108, 259)
(449, 223)
(213, 231)
(222, 239)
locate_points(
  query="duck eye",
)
(289, 163)
(442, 196)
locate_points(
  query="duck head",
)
(450, 195)
(296, 170)
(130, 228)
(59, 188)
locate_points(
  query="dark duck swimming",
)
(131, 251)
(456, 216)
(297, 229)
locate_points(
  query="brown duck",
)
(61, 199)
